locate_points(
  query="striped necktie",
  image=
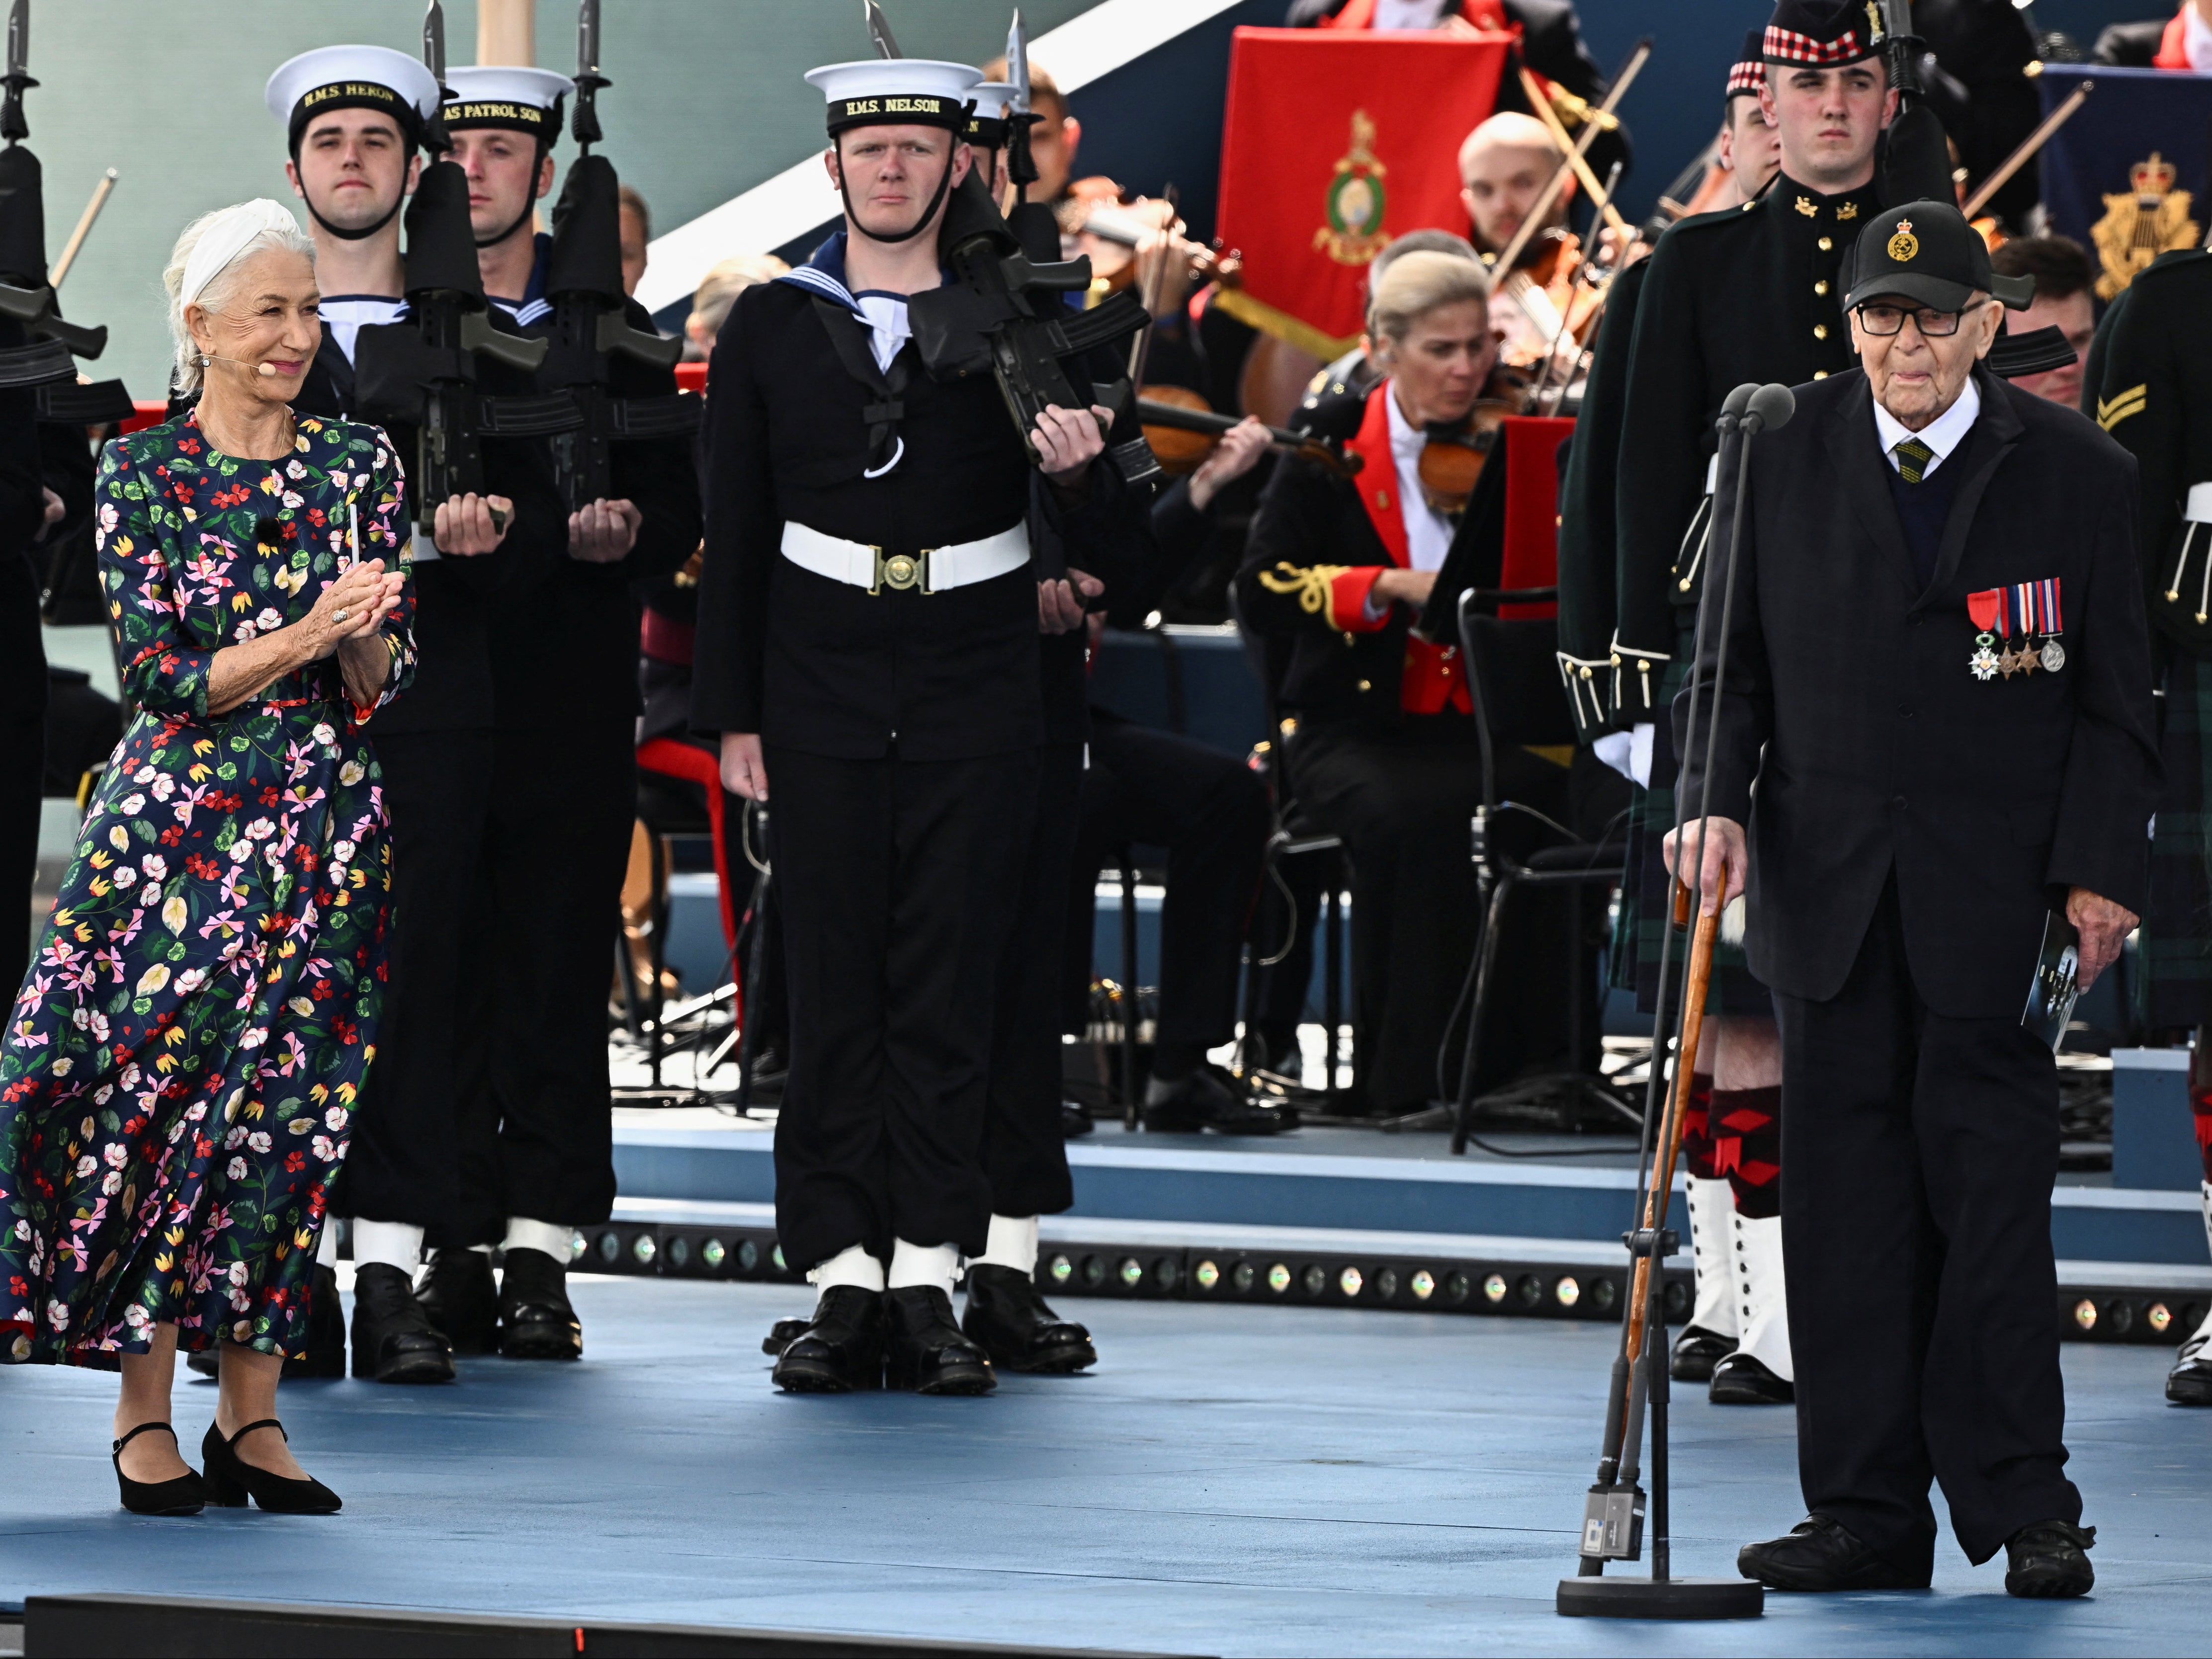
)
(1913, 458)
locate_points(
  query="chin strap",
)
(936, 200)
(366, 231)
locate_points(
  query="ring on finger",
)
(340, 614)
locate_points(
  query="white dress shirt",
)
(1425, 13)
(1943, 435)
(1428, 533)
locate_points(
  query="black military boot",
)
(1204, 1100)
(393, 1340)
(325, 1353)
(1007, 1318)
(2049, 1560)
(840, 1350)
(923, 1349)
(458, 1291)
(536, 1321)
(1697, 1351)
(781, 1334)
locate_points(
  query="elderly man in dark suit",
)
(1936, 720)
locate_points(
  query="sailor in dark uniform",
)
(868, 649)
(1752, 294)
(1935, 731)
(354, 118)
(2154, 358)
(534, 1118)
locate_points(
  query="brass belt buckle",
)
(901, 571)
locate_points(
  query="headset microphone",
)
(268, 369)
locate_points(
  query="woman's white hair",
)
(207, 259)
(1420, 282)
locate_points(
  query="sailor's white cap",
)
(897, 92)
(507, 96)
(352, 77)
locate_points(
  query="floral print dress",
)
(178, 1070)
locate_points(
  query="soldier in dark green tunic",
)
(2152, 391)
(1751, 293)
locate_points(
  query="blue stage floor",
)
(1234, 1481)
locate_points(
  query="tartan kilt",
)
(1640, 929)
(2174, 962)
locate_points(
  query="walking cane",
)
(1613, 1513)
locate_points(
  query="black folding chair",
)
(1512, 674)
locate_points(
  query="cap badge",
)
(1904, 244)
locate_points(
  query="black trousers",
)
(534, 1125)
(899, 880)
(1917, 1154)
(437, 786)
(1025, 1151)
(22, 762)
(1210, 812)
(1402, 800)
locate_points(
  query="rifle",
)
(422, 371)
(26, 297)
(583, 278)
(1916, 163)
(1002, 310)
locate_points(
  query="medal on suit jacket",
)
(2021, 611)
(1983, 608)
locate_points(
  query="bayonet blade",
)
(587, 38)
(1018, 63)
(19, 37)
(433, 42)
(880, 31)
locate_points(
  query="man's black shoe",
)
(461, 1297)
(1207, 1100)
(1821, 1554)
(393, 1340)
(1007, 1318)
(536, 1321)
(1074, 1121)
(782, 1333)
(325, 1354)
(1740, 1379)
(923, 1349)
(1697, 1351)
(2048, 1560)
(840, 1349)
(2190, 1381)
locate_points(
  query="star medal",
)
(1983, 608)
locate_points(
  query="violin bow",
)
(1591, 128)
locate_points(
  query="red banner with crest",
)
(1334, 143)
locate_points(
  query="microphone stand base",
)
(1661, 1598)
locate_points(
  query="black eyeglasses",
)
(1879, 318)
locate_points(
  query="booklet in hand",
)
(2058, 984)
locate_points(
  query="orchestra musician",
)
(1384, 750)
(1505, 166)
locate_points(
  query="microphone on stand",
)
(1769, 407)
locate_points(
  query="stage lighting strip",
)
(1524, 1288)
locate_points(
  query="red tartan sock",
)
(1746, 1131)
(1697, 1133)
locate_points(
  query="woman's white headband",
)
(226, 237)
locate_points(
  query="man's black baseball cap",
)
(1924, 252)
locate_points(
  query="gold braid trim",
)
(1310, 584)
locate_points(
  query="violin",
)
(1183, 431)
(1453, 458)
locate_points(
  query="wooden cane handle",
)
(1668, 1144)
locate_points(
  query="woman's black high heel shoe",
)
(184, 1495)
(231, 1480)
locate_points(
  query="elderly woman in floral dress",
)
(179, 1069)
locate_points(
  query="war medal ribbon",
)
(1983, 608)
